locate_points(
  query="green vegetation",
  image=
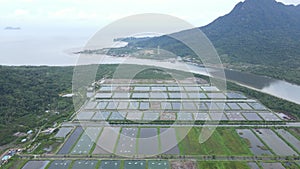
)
(278, 72)
(15, 163)
(150, 73)
(223, 141)
(262, 62)
(295, 132)
(256, 36)
(271, 102)
(222, 165)
(290, 165)
(26, 94)
(98, 164)
(46, 144)
(31, 96)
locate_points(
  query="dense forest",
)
(27, 93)
(31, 97)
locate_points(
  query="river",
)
(50, 46)
(274, 87)
(278, 88)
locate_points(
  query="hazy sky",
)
(102, 12)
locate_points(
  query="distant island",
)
(12, 28)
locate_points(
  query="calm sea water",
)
(45, 46)
(41, 46)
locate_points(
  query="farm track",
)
(170, 157)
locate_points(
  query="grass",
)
(122, 164)
(46, 144)
(76, 142)
(265, 147)
(295, 132)
(222, 165)
(49, 164)
(95, 143)
(233, 142)
(72, 164)
(247, 142)
(137, 141)
(159, 141)
(290, 165)
(224, 141)
(98, 164)
(117, 141)
(15, 163)
(285, 140)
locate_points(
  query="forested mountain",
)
(258, 32)
(261, 36)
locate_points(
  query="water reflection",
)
(278, 88)
(255, 81)
(265, 84)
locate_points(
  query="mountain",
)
(12, 28)
(261, 36)
(258, 32)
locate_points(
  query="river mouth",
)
(274, 87)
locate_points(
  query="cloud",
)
(26, 0)
(73, 14)
(86, 15)
(63, 12)
(21, 12)
(105, 11)
(289, 2)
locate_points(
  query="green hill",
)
(260, 36)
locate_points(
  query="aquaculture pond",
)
(289, 138)
(167, 134)
(107, 140)
(278, 146)
(148, 141)
(86, 141)
(66, 148)
(158, 164)
(86, 164)
(35, 165)
(127, 141)
(60, 164)
(255, 145)
(135, 164)
(110, 164)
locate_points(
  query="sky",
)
(97, 13)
